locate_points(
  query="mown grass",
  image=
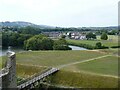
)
(107, 66)
(92, 74)
(54, 58)
(71, 75)
(83, 80)
(110, 37)
(110, 51)
(112, 41)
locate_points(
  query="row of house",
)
(72, 35)
(77, 35)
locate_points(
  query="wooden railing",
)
(37, 77)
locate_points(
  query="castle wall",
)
(10, 80)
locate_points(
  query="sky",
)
(61, 13)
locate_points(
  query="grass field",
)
(112, 41)
(55, 58)
(107, 65)
(83, 80)
(97, 73)
(25, 71)
(110, 37)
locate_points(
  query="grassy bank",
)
(90, 44)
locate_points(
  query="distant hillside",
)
(23, 24)
(102, 28)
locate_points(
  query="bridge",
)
(36, 79)
(9, 80)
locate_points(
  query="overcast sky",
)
(64, 13)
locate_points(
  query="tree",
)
(98, 45)
(104, 36)
(39, 42)
(90, 36)
(61, 44)
(29, 30)
(47, 43)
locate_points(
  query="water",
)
(77, 48)
(4, 51)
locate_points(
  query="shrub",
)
(115, 47)
(104, 36)
(61, 47)
(98, 45)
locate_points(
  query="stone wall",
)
(10, 80)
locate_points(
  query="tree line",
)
(42, 42)
(36, 30)
(33, 42)
(91, 35)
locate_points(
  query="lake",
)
(3, 51)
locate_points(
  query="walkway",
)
(37, 78)
(88, 60)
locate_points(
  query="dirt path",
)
(113, 76)
(88, 60)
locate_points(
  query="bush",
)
(61, 44)
(104, 36)
(90, 36)
(104, 47)
(98, 45)
(61, 47)
(115, 47)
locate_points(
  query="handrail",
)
(36, 78)
(30, 78)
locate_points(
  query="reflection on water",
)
(77, 48)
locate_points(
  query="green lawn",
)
(100, 73)
(84, 75)
(83, 80)
(112, 41)
(55, 58)
(107, 65)
(110, 37)
(110, 51)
